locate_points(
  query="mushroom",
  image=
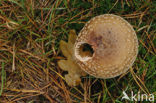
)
(106, 47)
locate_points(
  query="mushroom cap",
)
(114, 43)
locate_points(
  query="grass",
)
(2, 78)
(30, 31)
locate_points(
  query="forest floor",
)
(30, 33)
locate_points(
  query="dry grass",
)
(30, 31)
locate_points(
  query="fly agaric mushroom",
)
(111, 43)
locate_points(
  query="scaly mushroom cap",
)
(113, 46)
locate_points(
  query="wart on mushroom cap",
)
(114, 44)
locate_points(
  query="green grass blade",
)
(2, 78)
